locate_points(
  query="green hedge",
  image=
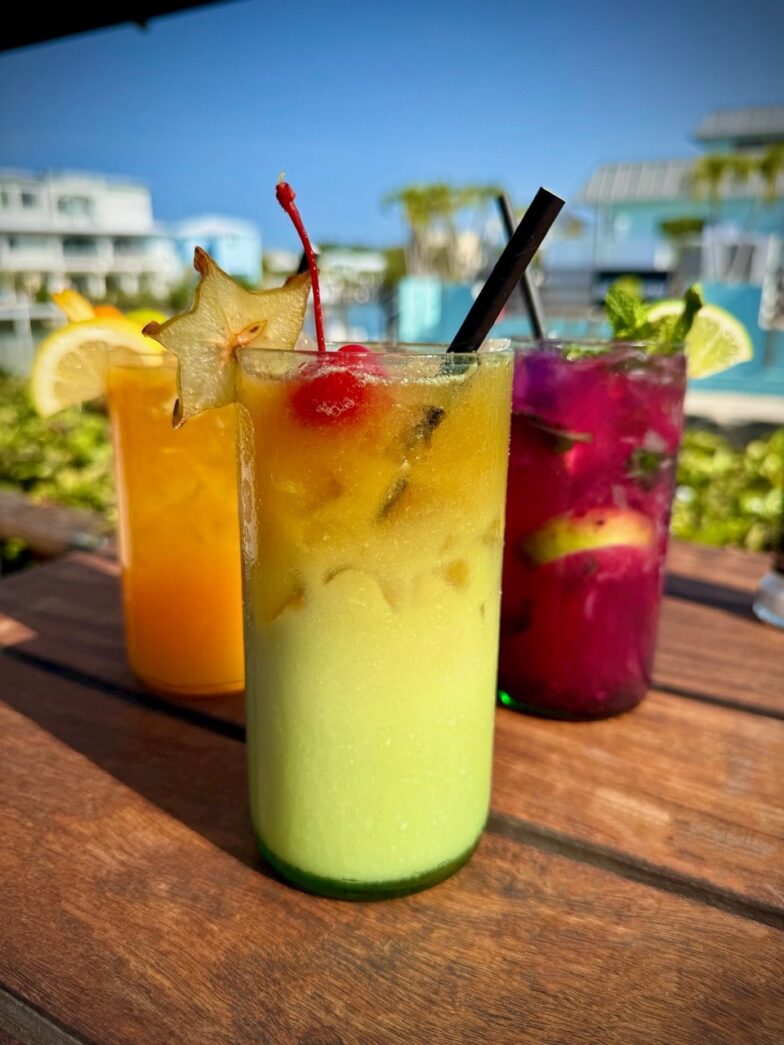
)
(729, 495)
(725, 495)
(66, 459)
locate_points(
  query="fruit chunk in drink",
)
(372, 499)
(179, 533)
(591, 478)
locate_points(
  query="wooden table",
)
(629, 887)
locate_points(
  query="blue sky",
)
(355, 99)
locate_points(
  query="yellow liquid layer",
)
(179, 536)
(372, 557)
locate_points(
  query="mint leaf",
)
(692, 303)
(628, 316)
(648, 466)
(560, 440)
(625, 313)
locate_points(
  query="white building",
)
(88, 231)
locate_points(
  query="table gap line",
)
(545, 839)
(39, 1027)
(730, 703)
(227, 728)
(634, 869)
(223, 727)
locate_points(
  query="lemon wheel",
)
(71, 364)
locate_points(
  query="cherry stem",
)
(285, 196)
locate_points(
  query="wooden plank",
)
(720, 654)
(125, 921)
(730, 568)
(68, 612)
(49, 529)
(675, 784)
(689, 789)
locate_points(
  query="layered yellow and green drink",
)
(372, 504)
(372, 489)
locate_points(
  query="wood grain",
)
(674, 784)
(49, 529)
(69, 613)
(721, 655)
(730, 568)
(134, 914)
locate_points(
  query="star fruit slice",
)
(224, 317)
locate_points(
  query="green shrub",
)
(65, 459)
(729, 495)
(726, 495)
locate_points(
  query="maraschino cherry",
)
(338, 394)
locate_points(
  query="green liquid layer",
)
(349, 890)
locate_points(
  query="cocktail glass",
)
(595, 433)
(372, 499)
(179, 532)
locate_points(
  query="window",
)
(29, 200)
(26, 242)
(79, 246)
(75, 206)
(125, 246)
(5, 198)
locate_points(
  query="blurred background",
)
(128, 138)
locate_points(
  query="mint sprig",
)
(627, 315)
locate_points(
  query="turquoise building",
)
(234, 244)
(712, 216)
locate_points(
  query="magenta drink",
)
(595, 433)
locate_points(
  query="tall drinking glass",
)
(179, 532)
(372, 502)
(595, 433)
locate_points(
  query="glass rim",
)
(601, 344)
(495, 347)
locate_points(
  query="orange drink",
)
(179, 534)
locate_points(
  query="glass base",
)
(336, 889)
(163, 689)
(618, 707)
(769, 599)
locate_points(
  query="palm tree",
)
(740, 168)
(771, 167)
(416, 202)
(708, 174)
(431, 212)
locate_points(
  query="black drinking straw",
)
(530, 297)
(508, 271)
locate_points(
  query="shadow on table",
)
(718, 596)
(193, 773)
(67, 615)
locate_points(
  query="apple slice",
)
(224, 317)
(596, 528)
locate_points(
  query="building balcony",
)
(47, 260)
(48, 222)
